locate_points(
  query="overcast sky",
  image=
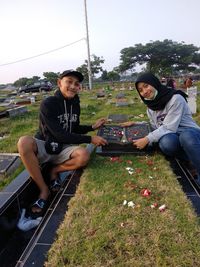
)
(33, 27)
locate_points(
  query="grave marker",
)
(192, 99)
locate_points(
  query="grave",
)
(8, 163)
(117, 118)
(3, 114)
(120, 139)
(17, 111)
(100, 94)
(123, 103)
(22, 102)
(19, 248)
(187, 182)
(192, 99)
(120, 95)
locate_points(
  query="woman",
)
(174, 129)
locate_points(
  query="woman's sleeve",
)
(171, 119)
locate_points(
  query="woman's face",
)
(146, 90)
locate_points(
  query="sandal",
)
(41, 204)
(55, 185)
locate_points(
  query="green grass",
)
(98, 230)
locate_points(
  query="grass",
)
(98, 230)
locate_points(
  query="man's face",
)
(69, 86)
(146, 90)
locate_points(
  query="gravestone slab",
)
(120, 139)
(121, 104)
(117, 118)
(23, 102)
(8, 163)
(120, 95)
(100, 94)
(192, 99)
(17, 111)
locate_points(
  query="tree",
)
(113, 76)
(33, 80)
(95, 66)
(161, 57)
(104, 75)
(51, 76)
(21, 82)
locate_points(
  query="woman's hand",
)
(127, 124)
(141, 143)
(98, 123)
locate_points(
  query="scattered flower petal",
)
(145, 192)
(162, 208)
(131, 204)
(154, 205)
(129, 169)
(115, 159)
(122, 224)
(125, 202)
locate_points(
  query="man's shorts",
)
(44, 157)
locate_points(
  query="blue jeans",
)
(184, 146)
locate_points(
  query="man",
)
(58, 137)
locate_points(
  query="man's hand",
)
(141, 143)
(127, 124)
(98, 141)
(99, 123)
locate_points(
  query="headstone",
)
(117, 118)
(120, 139)
(100, 94)
(3, 114)
(32, 98)
(192, 99)
(8, 163)
(17, 111)
(120, 95)
(2, 100)
(23, 102)
(121, 104)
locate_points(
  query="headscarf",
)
(164, 93)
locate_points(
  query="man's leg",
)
(28, 151)
(78, 159)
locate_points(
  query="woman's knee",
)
(189, 137)
(169, 144)
(26, 144)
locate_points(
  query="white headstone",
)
(192, 99)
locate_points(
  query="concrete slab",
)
(8, 163)
(17, 111)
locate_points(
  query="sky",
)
(56, 30)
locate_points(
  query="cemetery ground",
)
(110, 222)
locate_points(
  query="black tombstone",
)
(120, 139)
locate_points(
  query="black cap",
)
(72, 72)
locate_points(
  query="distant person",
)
(174, 129)
(171, 83)
(163, 81)
(58, 138)
(188, 83)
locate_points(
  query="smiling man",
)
(58, 138)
